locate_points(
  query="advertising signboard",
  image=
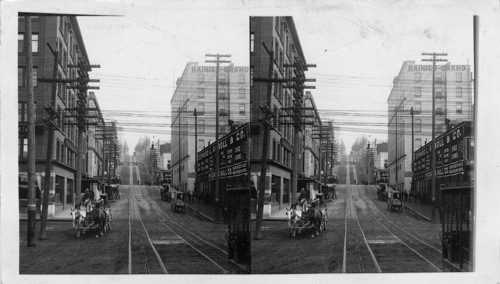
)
(232, 155)
(449, 153)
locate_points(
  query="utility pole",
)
(433, 145)
(268, 114)
(51, 110)
(196, 151)
(218, 61)
(31, 135)
(412, 142)
(474, 132)
(79, 116)
(179, 111)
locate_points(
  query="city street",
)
(145, 237)
(361, 236)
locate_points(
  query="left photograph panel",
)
(133, 143)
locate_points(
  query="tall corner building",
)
(280, 35)
(196, 89)
(412, 88)
(62, 33)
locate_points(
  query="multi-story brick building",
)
(413, 89)
(63, 34)
(283, 170)
(196, 90)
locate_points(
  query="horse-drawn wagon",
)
(310, 215)
(93, 217)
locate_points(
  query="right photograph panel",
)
(362, 143)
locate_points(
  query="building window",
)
(279, 153)
(274, 150)
(439, 92)
(34, 42)
(418, 107)
(251, 76)
(201, 77)
(23, 112)
(23, 147)
(20, 77)
(459, 91)
(418, 125)
(241, 76)
(459, 107)
(418, 92)
(201, 126)
(439, 77)
(222, 129)
(242, 108)
(58, 150)
(222, 94)
(222, 78)
(252, 42)
(201, 92)
(201, 144)
(418, 143)
(35, 76)
(418, 77)
(222, 111)
(458, 76)
(201, 108)
(242, 93)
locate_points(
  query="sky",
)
(357, 53)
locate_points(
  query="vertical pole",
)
(433, 144)
(217, 160)
(104, 153)
(265, 146)
(397, 172)
(319, 155)
(412, 149)
(196, 150)
(79, 166)
(48, 160)
(31, 136)
(476, 76)
(180, 148)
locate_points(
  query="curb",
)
(201, 214)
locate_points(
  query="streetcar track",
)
(160, 261)
(374, 259)
(374, 210)
(158, 215)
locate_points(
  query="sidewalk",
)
(423, 210)
(63, 215)
(205, 210)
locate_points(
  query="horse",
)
(99, 218)
(297, 217)
(78, 215)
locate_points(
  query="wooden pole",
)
(265, 146)
(31, 136)
(50, 146)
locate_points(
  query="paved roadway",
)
(361, 236)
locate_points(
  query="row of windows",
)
(281, 154)
(222, 93)
(222, 111)
(417, 107)
(65, 155)
(439, 92)
(34, 42)
(222, 78)
(439, 77)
